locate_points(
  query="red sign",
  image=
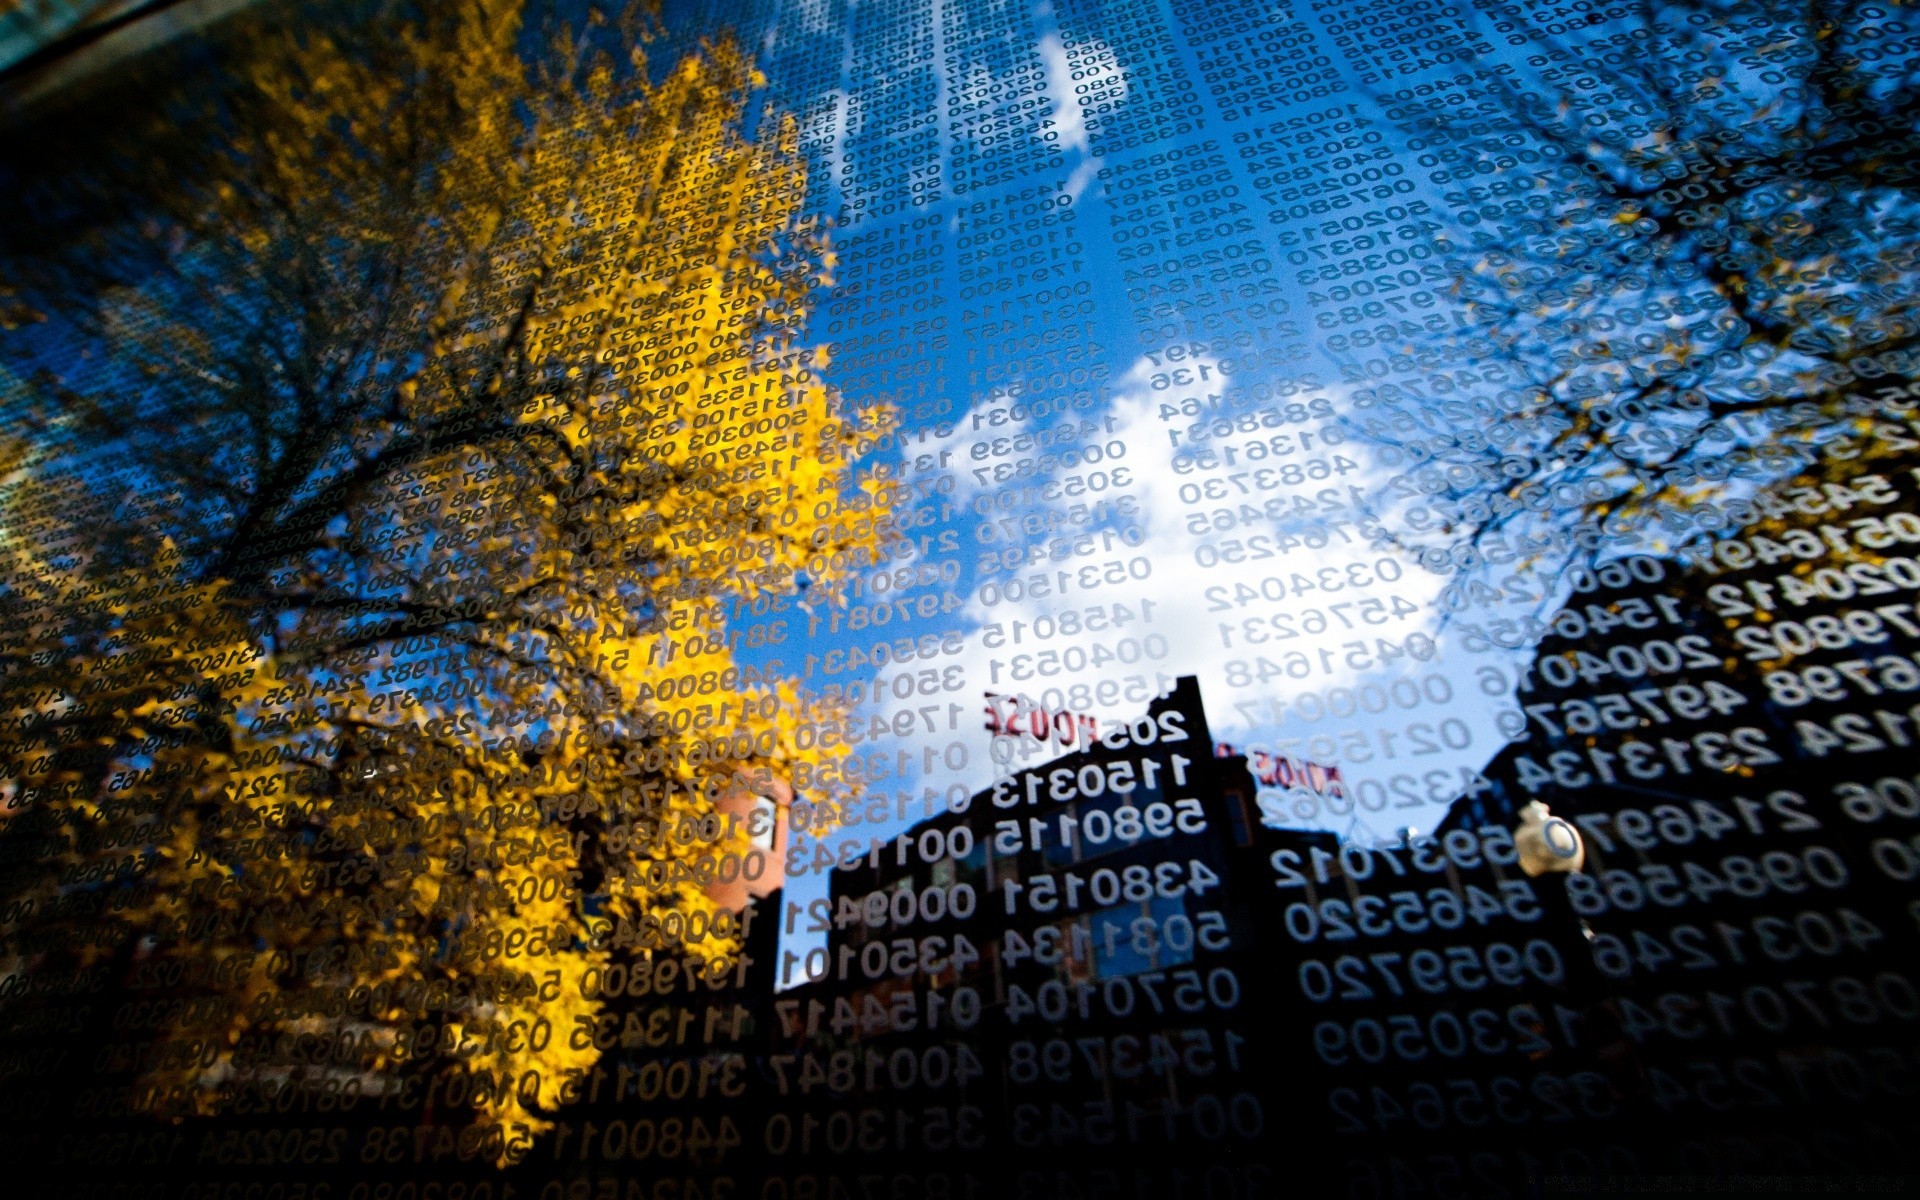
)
(1270, 769)
(1008, 716)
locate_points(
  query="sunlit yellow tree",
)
(442, 411)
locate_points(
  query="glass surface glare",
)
(798, 600)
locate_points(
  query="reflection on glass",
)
(832, 599)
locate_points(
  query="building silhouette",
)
(1072, 977)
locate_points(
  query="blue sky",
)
(1024, 191)
(1136, 276)
(1385, 689)
(1236, 357)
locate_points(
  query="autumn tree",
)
(1685, 251)
(409, 413)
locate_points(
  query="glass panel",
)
(800, 599)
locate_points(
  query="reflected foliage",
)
(412, 419)
(1685, 251)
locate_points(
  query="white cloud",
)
(988, 417)
(1344, 620)
(1084, 174)
(1339, 623)
(1099, 72)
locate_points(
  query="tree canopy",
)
(415, 423)
(1684, 251)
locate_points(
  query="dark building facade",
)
(1106, 969)
(1104, 976)
(1062, 985)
